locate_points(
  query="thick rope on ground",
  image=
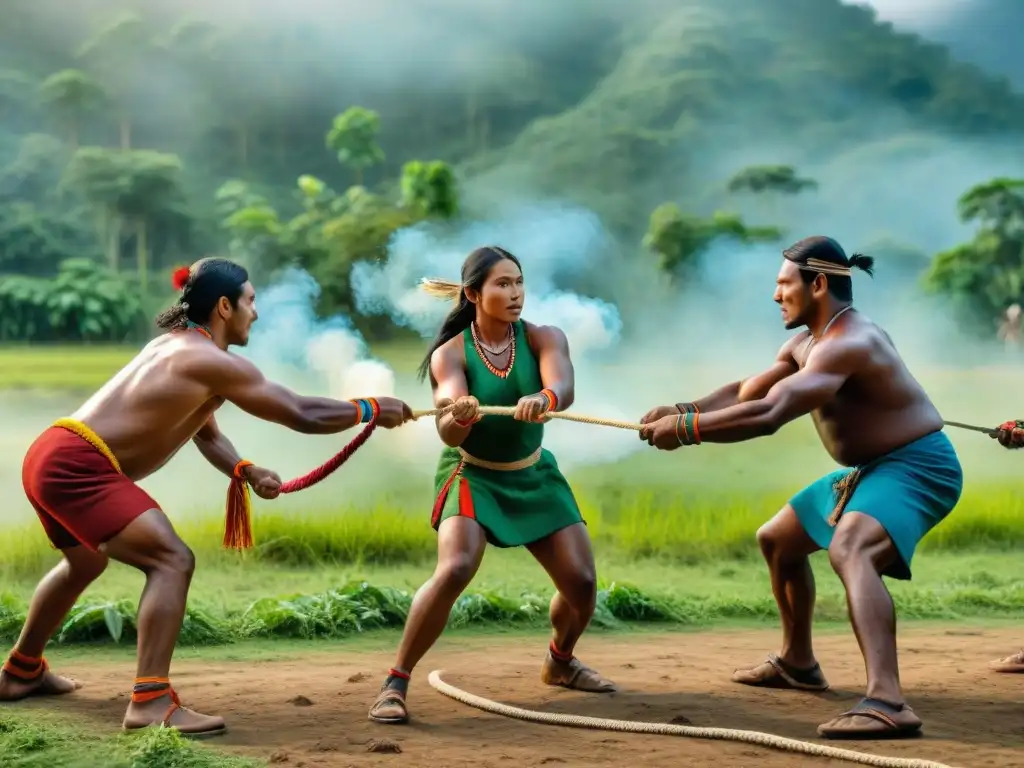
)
(766, 740)
(509, 410)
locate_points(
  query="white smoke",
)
(549, 239)
(292, 340)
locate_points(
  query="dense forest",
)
(136, 136)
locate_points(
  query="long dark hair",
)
(475, 270)
(208, 280)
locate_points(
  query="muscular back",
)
(879, 407)
(155, 404)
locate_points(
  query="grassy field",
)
(673, 535)
(40, 740)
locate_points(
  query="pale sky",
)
(916, 14)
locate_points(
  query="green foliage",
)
(986, 275)
(770, 178)
(71, 94)
(616, 112)
(680, 238)
(331, 233)
(430, 189)
(40, 740)
(129, 191)
(353, 137)
(83, 303)
(358, 607)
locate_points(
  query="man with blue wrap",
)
(901, 478)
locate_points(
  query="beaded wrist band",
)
(552, 398)
(687, 430)
(367, 408)
(687, 408)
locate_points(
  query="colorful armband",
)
(687, 428)
(687, 408)
(551, 397)
(368, 408)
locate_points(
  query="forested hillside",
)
(134, 136)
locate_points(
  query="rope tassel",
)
(238, 524)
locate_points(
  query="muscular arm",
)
(556, 369)
(792, 397)
(216, 448)
(239, 381)
(447, 367)
(755, 387)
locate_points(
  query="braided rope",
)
(328, 467)
(767, 740)
(509, 410)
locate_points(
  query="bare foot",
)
(167, 711)
(47, 684)
(573, 674)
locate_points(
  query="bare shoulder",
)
(449, 356)
(546, 336)
(843, 353)
(787, 352)
(214, 367)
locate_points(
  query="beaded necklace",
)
(501, 373)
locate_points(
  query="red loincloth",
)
(80, 497)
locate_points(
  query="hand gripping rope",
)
(238, 528)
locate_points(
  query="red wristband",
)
(551, 397)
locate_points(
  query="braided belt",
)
(501, 466)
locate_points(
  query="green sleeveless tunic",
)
(514, 507)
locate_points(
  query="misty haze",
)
(647, 163)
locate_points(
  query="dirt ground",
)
(311, 711)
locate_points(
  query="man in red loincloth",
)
(80, 476)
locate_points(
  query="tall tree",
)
(97, 174)
(118, 55)
(353, 137)
(71, 94)
(986, 275)
(152, 186)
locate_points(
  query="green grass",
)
(673, 533)
(661, 524)
(73, 368)
(40, 740)
(248, 602)
(81, 368)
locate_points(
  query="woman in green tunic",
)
(495, 482)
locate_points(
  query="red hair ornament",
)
(180, 277)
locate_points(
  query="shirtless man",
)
(905, 477)
(80, 476)
(1010, 434)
